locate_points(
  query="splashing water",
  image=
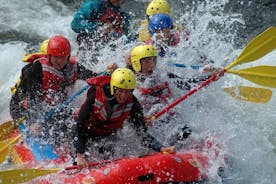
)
(246, 130)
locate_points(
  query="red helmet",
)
(59, 46)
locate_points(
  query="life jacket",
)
(103, 121)
(54, 85)
(115, 18)
(30, 58)
(144, 34)
(161, 91)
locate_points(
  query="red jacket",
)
(54, 84)
(103, 121)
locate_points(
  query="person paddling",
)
(154, 90)
(157, 7)
(109, 103)
(98, 23)
(44, 84)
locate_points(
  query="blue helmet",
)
(159, 21)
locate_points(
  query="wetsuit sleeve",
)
(28, 89)
(33, 80)
(84, 73)
(187, 84)
(137, 118)
(84, 19)
(84, 114)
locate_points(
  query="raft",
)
(156, 168)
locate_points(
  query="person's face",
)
(58, 62)
(148, 65)
(122, 95)
(163, 34)
(117, 3)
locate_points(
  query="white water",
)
(247, 130)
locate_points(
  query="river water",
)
(246, 130)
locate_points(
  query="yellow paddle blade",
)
(261, 75)
(6, 146)
(257, 48)
(7, 128)
(251, 94)
(24, 175)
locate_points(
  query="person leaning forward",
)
(110, 101)
(47, 79)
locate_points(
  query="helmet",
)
(43, 46)
(59, 46)
(122, 78)
(158, 6)
(159, 21)
(140, 52)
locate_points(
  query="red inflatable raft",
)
(155, 168)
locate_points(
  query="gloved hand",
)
(81, 161)
(34, 129)
(111, 67)
(169, 149)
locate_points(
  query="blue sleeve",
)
(126, 27)
(83, 19)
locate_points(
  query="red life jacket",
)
(54, 86)
(99, 122)
(161, 91)
(115, 18)
(32, 57)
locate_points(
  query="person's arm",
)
(126, 27)
(187, 83)
(84, 73)
(32, 78)
(84, 19)
(28, 91)
(137, 118)
(83, 116)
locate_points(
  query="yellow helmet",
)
(158, 6)
(43, 46)
(140, 52)
(122, 78)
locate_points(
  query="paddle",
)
(5, 146)
(181, 65)
(247, 55)
(262, 75)
(246, 93)
(8, 128)
(65, 103)
(24, 174)
(252, 94)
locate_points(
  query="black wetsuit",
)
(136, 117)
(31, 86)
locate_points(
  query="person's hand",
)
(208, 68)
(169, 149)
(219, 72)
(81, 161)
(148, 121)
(111, 67)
(34, 129)
(128, 60)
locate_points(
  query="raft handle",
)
(146, 177)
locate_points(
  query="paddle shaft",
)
(181, 65)
(65, 103)
(183, 97)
